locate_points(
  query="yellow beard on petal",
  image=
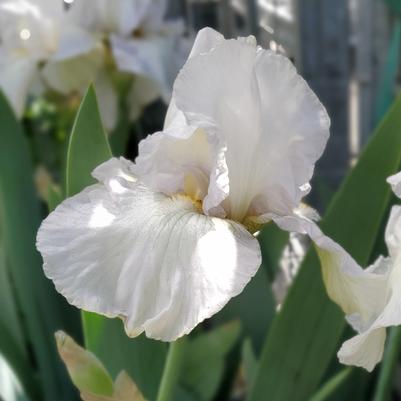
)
(253, 224)
(196, 203)
(191, 188)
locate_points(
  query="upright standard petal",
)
(119, 249)
(268, 125)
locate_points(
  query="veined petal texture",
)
(119, 249)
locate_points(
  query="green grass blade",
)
(305, 334)
(12, 340)
(272, 242)
(249, 362)
(332, 385)
(142, 358)
(88, 146)
(20, 212)
(254, 321)
(204, 361)
(8, 306)
(387, 369)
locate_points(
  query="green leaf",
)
(254, 321)
(203, 365)
(332, 385)
(88, 145)
(54, 196)
(8, 307)
(305, 334)
(272, 241)
(20, 213)
(387, 368)
(142, 358)
(173, 369)
(12, 341)
(249, 361)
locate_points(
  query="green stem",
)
(386, 376)
(172, 370)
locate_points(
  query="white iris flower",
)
(33, 33)
(165, 242)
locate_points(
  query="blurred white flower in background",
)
(142, 43)
(33, 33)
(68, 49)
(165, 242)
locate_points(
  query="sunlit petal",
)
(151, 259)
(264, 125)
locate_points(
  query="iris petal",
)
(369, 297)
(119, 249)
(264, 126)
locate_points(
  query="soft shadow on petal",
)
(150, 259)
(369, 297)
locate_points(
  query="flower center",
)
(192, 188)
